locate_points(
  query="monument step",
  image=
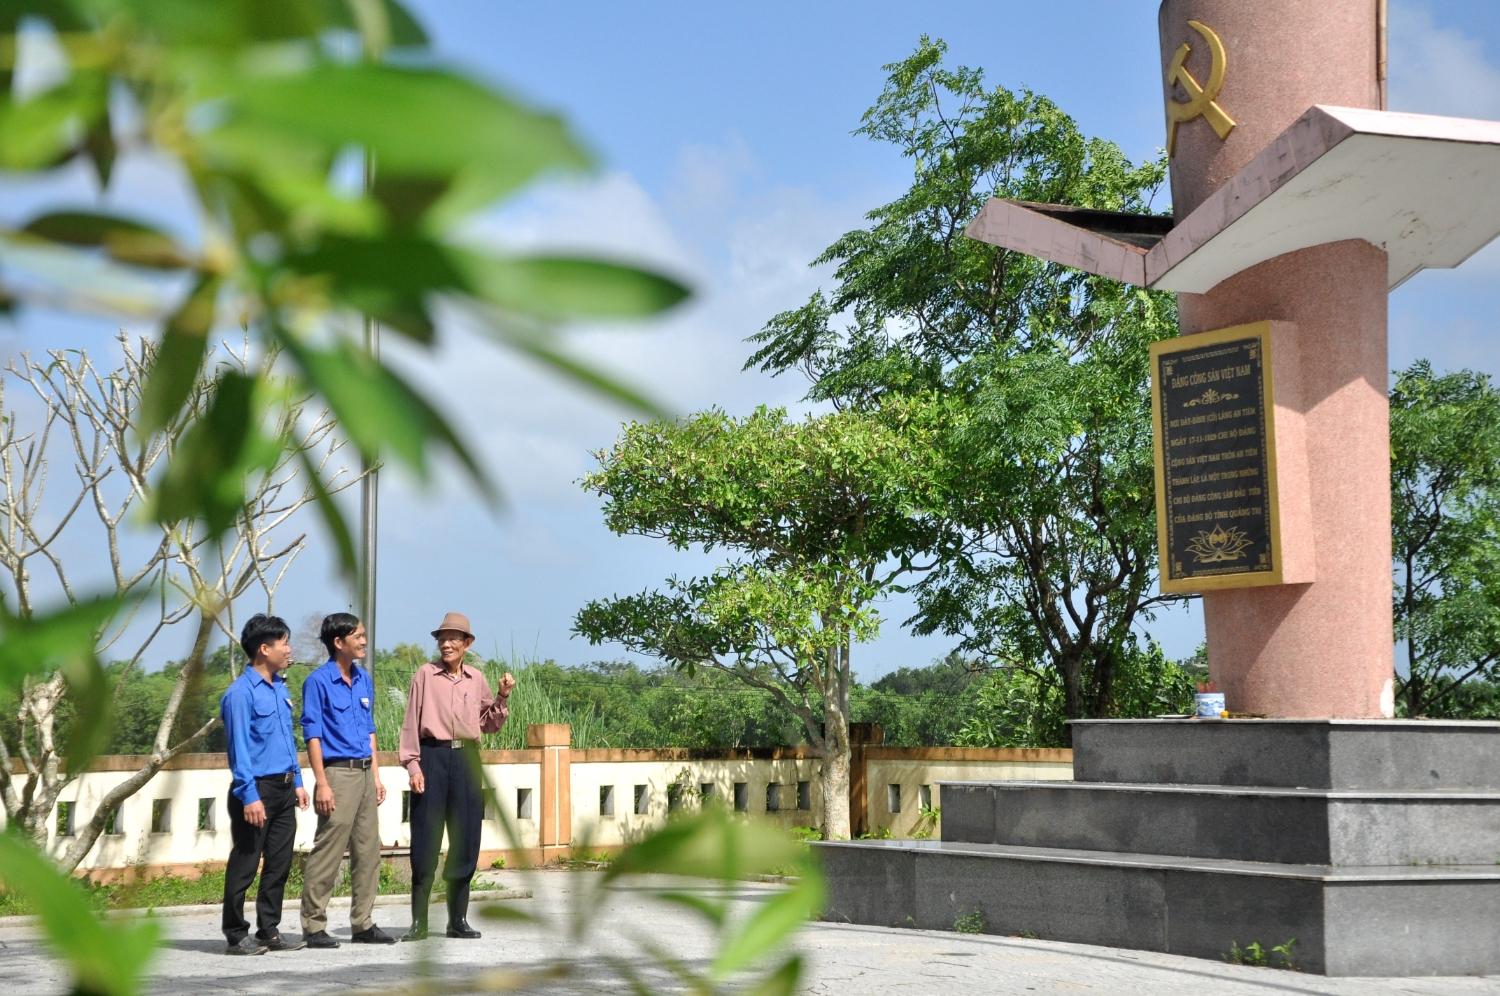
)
(1309, 826)
(1369, 755)
(1335, 920)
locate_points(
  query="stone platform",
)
(1374, 846)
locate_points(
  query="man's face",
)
(451, 646)
(354, 643)
(278, 654)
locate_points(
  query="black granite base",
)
(1298, 826)
(1376, 755)
(1339, 921)
(1373, 848)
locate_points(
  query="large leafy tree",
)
(1445, 510)
(819, 519)
(1033, 377)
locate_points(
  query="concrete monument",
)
(1298, 202)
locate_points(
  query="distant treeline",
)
(620, 704)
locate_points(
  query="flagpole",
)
(369, 489)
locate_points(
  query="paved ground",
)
(844, 960)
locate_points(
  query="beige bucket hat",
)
(456, 621)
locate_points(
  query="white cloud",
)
(1435, 68)
(536, 429)
(608, 215)
(744, 250)
(708, 179)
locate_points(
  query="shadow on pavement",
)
(270, 974)
(214, 945)
(1088, 951)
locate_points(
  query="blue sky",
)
(723, 133)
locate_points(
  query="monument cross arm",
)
(1418, 186)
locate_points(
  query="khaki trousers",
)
(354, 825)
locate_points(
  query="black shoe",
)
(372, 935)
(246, 945)
(278, 943)
(458, 910)
(421, 897)
(461, 928)
(322, 939)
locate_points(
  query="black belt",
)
(455, 744)
(280, 778)
(348, 762)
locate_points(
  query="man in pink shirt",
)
(448, 706)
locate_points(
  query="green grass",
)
(971, 922)
(1281, 955)
(586, 860)
(205, 890)
(531, 703)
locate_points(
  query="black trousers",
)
(454, 798)
(267, 849)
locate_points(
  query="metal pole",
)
(369, 489)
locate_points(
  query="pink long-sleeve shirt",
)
(444, 706)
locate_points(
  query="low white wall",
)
(739, 780)
(917, 781)
(593, 828)
(182, 793)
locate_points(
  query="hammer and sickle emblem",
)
(1202, 100)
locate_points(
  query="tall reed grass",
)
(530, 703)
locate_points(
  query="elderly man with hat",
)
(448, 706)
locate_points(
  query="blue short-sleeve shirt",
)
(257, 716)
(339, 713)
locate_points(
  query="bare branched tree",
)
(57, 527)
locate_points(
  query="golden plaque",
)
(1213, 420)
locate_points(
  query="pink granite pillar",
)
(1322, 649)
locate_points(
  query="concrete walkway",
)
(842, 959)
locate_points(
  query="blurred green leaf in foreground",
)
(713, 852)
(258, 106)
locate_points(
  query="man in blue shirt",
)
(267, 787)
(338, 722)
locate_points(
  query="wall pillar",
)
(555, 827)
(861, 735)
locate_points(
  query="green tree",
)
(818, 518)
(1445, 513)
(1025, 707)
(920, 707)
(1034, 377)
(1016, 708)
